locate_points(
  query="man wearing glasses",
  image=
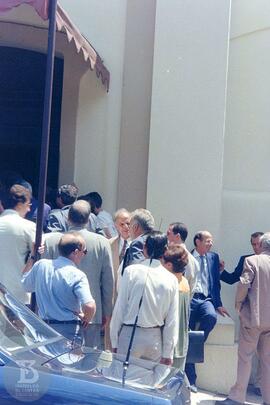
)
(62, 290)
(17, 235)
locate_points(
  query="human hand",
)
(166, 361)
(221, 266)
(223, 311)
(105, 320)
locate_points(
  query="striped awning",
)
(73, 34)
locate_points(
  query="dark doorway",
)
(22, 80)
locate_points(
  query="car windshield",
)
(24, 335)
(20, 328)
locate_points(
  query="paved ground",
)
(208, 398)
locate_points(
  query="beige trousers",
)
(147, 343)
(250, 340)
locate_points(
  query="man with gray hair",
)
(253, 305)
(141, 223)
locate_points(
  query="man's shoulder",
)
(113, 241)
(52, 237)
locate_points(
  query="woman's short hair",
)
(156, 244)
(177, 255)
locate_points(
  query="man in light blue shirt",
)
(62, 290)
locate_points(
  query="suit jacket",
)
(114, 242)
(97, 265)
(214, 278)
(134, 254)
(234, 277)
(252, 295)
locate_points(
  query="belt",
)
(200, 296)
(142, 327)
(54, 321)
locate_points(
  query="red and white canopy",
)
(65, 24)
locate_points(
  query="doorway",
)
(22, 81)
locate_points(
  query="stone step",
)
(218, 372)
(223, 333)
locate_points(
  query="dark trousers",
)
(202, 311)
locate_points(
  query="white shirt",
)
(16, 237)
(192, 270)
(200, 286)
(159, 305)
(105, 221)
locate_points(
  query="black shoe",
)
(257, 391)
(228, 401)
(193, 388)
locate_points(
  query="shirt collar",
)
(64, 261)
(9, 211)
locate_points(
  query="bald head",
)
(70, 242)
(79, 212)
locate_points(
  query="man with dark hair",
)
(151, 285)
(97, 265)
(206, 300)
(16, 237)
(234, 277)
(62, 290)
(177, 234)
(105, 220)
(58, 218)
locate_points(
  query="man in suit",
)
(206, 301)
(141, 223)
(119, 243)
(97, 265)
(253, 305)
(234, 277)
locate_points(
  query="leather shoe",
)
(193, 388)
(228, 401)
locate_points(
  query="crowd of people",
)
(120, 284)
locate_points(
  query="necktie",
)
(123, 251)
(204, 276)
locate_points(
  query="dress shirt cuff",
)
(167, 351)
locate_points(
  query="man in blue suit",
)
(234, 277)
(206, 301)
(141, 223)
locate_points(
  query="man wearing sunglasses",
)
(62, 290)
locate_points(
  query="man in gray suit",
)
(97, 265)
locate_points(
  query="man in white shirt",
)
(150, 292)
(177, 234)
(17, 235)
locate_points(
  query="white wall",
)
(187, 117)
(99, 113)
(246, 197)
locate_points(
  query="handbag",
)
(195, 352)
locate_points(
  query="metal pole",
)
(45, 127)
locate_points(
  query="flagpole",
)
(46, 123)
